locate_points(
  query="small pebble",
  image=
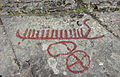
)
(100, 63)
(64, 73)
(4, 33)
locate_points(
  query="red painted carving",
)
(55, 32)
(63, 43)
(52, 34)
(33, 33)
(79, 61)
(47, 34)
(63, 34)
(71, 53)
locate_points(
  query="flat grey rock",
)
(60, 38)
(33, 56)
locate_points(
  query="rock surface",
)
(38, 57)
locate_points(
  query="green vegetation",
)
(108, 10)
(80, 9)
(1, 5)
(118, 9)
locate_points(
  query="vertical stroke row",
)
(70, 31)
(54, 34)
(37, 34)
(47, 33)
(61, 33)
(42, 34)
(33, 33)
(29, 33)
(74, 32)
(65, 33)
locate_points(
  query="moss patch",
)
(81, 9)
